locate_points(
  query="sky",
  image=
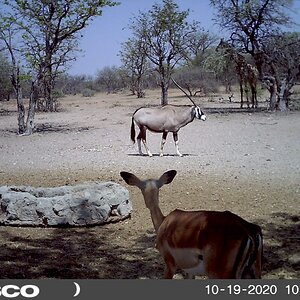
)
(101, 40)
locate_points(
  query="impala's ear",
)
(131, 179)
(166, 178)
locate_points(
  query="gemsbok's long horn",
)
(183, 91)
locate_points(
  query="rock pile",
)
(80, 205)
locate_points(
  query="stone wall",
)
(80, 205)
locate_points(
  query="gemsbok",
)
(220, 245)
(163, 119)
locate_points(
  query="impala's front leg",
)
(163, 141)
(175, 135)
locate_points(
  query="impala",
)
(220, 245)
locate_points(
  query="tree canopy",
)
(49, 32)
(164, 33)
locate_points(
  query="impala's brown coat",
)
(212, 243)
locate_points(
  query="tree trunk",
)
(164, 75)
(283, 96)
(164, 91)
(270, 82)
(48, 95)
(273, 98)
(20, 102)
(139, 88)
(48, 77)
(21, 112)
(31, 110)
(164, 95)
(132, 87)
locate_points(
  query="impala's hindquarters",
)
(220, 245)
(254, 265)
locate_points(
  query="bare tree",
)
(199, 43)
(196, 80)
(50, 34)
(49, 38)
(164, 31)
(253, 25)
(284, 50)
(136, 63)
(8, 31)
(109, 78)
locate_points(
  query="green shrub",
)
(88, 93)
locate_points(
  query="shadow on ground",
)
(281, 245)
(77, 253)
(233, 110)
(44, 128)
(95, 253)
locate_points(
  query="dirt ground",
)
(244, 161)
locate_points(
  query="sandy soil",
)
(243, 161)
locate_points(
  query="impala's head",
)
(199, 114)
(149, 187)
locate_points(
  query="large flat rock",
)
(80, 205)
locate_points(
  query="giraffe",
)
(247, 74)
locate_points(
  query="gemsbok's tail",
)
(132, 130)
